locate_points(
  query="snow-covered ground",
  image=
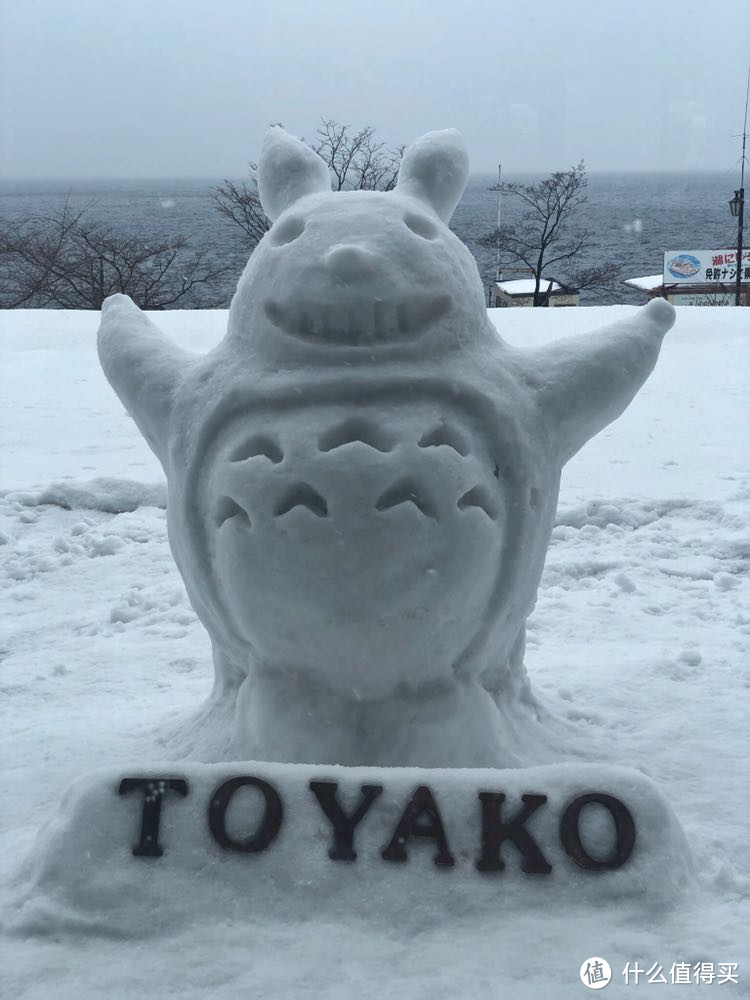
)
(640, 640)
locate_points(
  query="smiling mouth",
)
(352, 324)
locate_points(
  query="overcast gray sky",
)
(185, 88)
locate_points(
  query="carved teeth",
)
(418, 313)
(386, 319)
(376, 320)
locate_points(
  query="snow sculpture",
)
(363, 477)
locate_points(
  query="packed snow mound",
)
(82, 876)
(101, 652)
(111, 496)
(627, 512)
(363, 475)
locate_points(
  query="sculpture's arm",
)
(584, 383)
(143, 367)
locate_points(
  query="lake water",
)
(635, 217)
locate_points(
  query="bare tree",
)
(545, 235)
(69, 260)
(598, 279)
(357, 161)
(240, 203)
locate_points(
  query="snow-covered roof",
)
(525, 286)
(647, 283)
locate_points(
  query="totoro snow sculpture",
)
(363, 476)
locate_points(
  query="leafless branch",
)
(543, 234)
(70, 260)
(357, 161)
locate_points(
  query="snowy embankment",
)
(640, 640)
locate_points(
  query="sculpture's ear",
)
(142, 366)
(288, 170)
(435, 168)
(584, 383)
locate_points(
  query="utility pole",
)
(499, 196)
(737, 204)
(740, 223)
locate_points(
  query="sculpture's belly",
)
(360, 545)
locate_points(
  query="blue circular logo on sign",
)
(684, 266)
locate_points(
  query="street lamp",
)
(737, 208)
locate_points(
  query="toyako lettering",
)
(343, 825)
(570, 835)
(495, 831)
(420, 819)
(269, 827)
(154, 790)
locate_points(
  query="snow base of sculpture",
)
(275, 719)
(257, 841)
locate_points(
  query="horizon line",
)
(213, 178)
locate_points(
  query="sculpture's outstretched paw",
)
(660, 314)
(584, 383)
(143, 367)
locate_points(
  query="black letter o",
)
(570, 835)
(268, 829)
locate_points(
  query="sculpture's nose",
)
(350, 262)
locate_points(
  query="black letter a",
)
(421, 818)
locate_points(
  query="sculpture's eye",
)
(288, 230)
(421, 225)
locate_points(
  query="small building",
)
(520, 292)
(651, 284)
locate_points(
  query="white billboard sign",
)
(698, 267)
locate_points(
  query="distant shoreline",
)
(11, 182)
